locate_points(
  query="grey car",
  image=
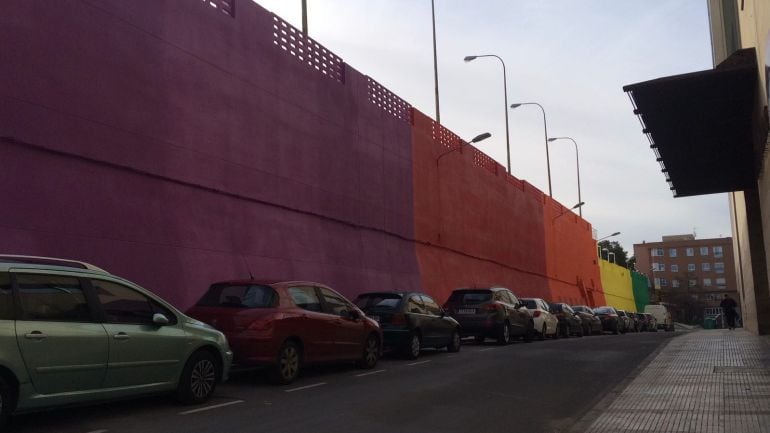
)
(490, 312)
(72, 333)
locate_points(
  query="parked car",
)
(545, 323)
(662, 316)
(410, 321)
(569, 322)
(591, 322)
(625, 321)
(286, 325)
(72, 333)
(492, 312)
(642, 322)
(611, 322)
(652, 324)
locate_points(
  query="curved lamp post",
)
(579, 205)
(545, 130)
(475, 139)
(609, 236)
(577, 162)
(505, 95)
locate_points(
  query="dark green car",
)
(73, 333)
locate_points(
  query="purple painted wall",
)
(171, 143)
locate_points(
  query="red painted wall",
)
(175, 144)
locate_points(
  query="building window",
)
(675, 283)
(719, 267)
(672, 252)
(693, 283)
(705, 267)
(691, 267)
(674, 268)
(663, 282)
(717, 251)
(721, 282)
(658, 267)
(706, 282)
(704, 251)
(690, 252)
(657, 252)
(656, 282)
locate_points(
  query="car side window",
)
(414, 305)
(52, 298)
(512, 299)
(430, 305)
(305, 297)
(125, 305)
(334, 303)
(6, 297)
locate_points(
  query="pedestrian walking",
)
(729, 305)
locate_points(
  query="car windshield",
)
(530, 303)
(238, 296)
(603, 310)
(556, 308)
(470, 297)
(378, 301)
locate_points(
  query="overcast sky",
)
(573, 57)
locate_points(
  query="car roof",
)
(14, 261)
(273, 283)
(390, 293)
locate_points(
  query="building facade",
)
(691, 274)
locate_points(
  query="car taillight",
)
(536, 313)
(398, 319)
(492, 307)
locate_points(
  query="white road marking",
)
(488, 348)
(370, 373)
(99, 431)
(306, 387)
(213, 406)
(418, 363)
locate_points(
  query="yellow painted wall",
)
(616, 282)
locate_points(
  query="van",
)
(662, 316)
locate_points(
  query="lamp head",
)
(514, 106)
(552, 139)
(481, 137)
(469, 58)
(578, 205)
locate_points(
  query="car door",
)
(519, 316)
(552, 323)
(349, 333)
(315, 328)
(441, 328)
(64, 347)
(141, 352)
(418, 319)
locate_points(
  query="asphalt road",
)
(538, 387)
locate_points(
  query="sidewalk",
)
(703, 381)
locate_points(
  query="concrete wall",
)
(176, 145)
(618, 290)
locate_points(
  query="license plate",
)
(377, 318)
(466, 311)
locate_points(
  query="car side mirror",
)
(160, 319)
(351, 314)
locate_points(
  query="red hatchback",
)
(285, 325)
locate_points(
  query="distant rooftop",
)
(672, 238)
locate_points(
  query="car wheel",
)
(479, 339)
(555, 335)
(371, 352)
(199, 378)
(581, 333)
(6, 401)
(615, 329)
(413, 346)
(529, 333)
(504, 334)
(565, 331)
(287, 365)
(454, 342)
(541, 337)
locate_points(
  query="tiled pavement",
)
(703, 381)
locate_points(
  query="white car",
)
(662, 316)
(545, 323)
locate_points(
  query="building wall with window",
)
(701, 269)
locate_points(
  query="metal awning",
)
(708, 129)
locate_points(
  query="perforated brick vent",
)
(483, 160)
(224, 6)
(307, 50)
(388, 101)
(444, 136)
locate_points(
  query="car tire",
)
(454, 342)
(479, 339)
(582, 332)
(615, 329)
(413, 346)
(288, 363)
(565, 331)
(541, 337)
(199, 378)
(504, 334)
(529, 333)
(555, 335)
(371, 352)
(6, 401)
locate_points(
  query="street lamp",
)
(475, 139)
(614, 234)
(579, 205)
(577, 162)
(545, 130)
(505, 96)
